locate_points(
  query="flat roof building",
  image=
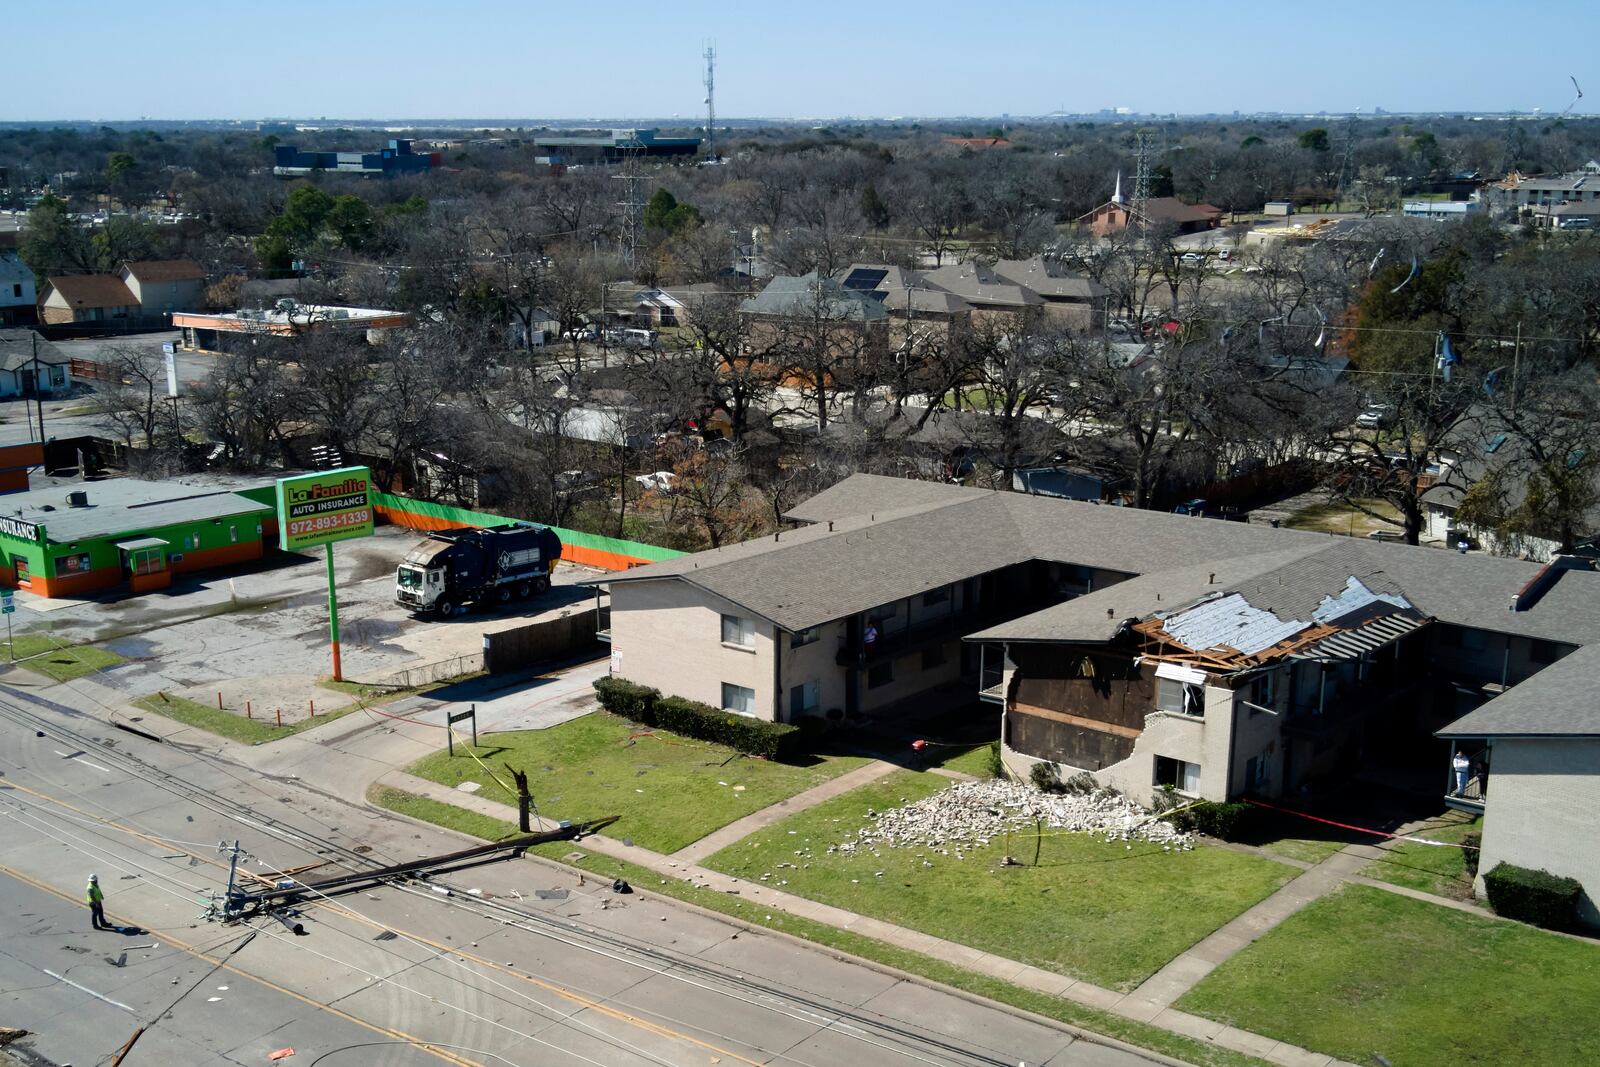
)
(289, 161)
(214, 331)
(611, 148)
(84, 537)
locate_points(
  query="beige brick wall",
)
(1540, 812)
(669, 635)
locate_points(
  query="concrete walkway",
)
(739, 829)
(765, 897)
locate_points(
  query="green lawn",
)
(1109, 913)
(1367, 972)
(60, 661)
(969, 759)
(670, 791)
(1144, 1035)
(229, 724)
(1430, 868)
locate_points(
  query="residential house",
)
(71, 299)
(1542, 741)
(17, 295)
(1073, 297)
(918, 309)
(984, 290)
(819, 323)
(32, 366)
(162, 286)
(675, 305)
(1150, 650)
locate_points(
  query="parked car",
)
(660, 481)
(1376, 417)
(1192, 259)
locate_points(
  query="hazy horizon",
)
(404, 61)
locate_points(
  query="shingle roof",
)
(1035, 274)
(166, 270)
(979, 284)
(899, 289)
(93, 290)
(1563, 700)
(17, 348)
(896, 537)
(789, 295)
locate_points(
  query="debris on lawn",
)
(969, 814)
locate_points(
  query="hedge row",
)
(642, 704)
(1529, 896)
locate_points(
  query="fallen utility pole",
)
(242, 904)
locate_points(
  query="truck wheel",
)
(447, 608)
(541, 586)
(523, 589)
(503, 594)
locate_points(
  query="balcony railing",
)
(1469, 790)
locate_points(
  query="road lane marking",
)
(432, 1050)
(81, 758)
(85, 989)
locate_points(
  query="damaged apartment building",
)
(1152, 650)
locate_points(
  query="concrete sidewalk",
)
(1034, 978)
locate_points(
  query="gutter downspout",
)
(777, 675)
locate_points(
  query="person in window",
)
(869, 636)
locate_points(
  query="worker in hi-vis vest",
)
(96, 901)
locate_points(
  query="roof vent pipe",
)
(1211, 579)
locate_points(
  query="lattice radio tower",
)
(711, 98)
(1141, 173)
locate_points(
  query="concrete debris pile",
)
(969, 814)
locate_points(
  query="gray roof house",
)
(1149, 649)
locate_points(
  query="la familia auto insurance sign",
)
(319, 509)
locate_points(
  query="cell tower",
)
(711, 106)
(1141, 173)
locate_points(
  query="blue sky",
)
(815, 58)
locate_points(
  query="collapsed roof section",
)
(1224, 631)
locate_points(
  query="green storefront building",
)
(86, 537)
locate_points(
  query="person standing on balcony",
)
(1461, 765)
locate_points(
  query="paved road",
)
(573, 975)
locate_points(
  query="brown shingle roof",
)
(92, 290)
(166, 270)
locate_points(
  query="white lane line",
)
(86, 989)
(81, 758)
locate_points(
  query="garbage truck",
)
(498, 564)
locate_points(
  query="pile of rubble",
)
(964, 816)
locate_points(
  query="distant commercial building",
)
(17, 294)
(1440, 210)
(69, 540)
(221, 331)
(612, 148)
(398, 158)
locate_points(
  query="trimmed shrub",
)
(628, 699)
(1044, 778)
(1080, 784)
(1225, 822)
(772, 740)
(1536, 897)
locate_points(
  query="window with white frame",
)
(1180, 698)
(739, 699)
(738, 631)
(1179, 774)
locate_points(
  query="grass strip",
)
(1143, 1035)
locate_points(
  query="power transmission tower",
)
(711, 106)
(1141, 174)
(630, 204)
(1346, 157)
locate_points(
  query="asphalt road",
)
(523, 963)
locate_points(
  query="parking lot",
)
(270, 621)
